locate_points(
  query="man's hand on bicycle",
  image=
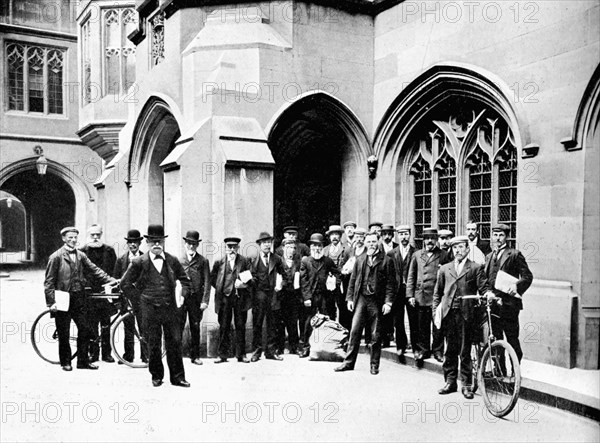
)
(53, 308)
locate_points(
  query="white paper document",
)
(503, 281)
(296, 280)
(245, 276)
(348, 266)
(62, 300)
(330, 283)
(437, 317)
(278, 282)
(179, 294)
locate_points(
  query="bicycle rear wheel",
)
(500, 378)
(44, 338)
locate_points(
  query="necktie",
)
(457, 267)
(266, 259)
(495, 256)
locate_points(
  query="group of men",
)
(362, 278)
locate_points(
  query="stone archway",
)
(320, 149)
(154, 137)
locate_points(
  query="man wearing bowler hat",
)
(314, 271)
(196, 298)
(266, 303)
(134, 240)
(65, 272)
(233, 299)
(422, 275)
(511, 261)
(152, 277)
(387, 238)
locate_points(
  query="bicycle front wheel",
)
(500, 378)
(44, 338)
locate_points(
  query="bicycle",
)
(496, 368)
(44, 336)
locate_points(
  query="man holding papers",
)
(502, 261)
(64, 285)
(267, 281)
(230, 277)
(291, 298)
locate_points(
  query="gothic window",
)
(157, 31)
(119, 52)
(422, 180)
(472, 153)
(35, 78)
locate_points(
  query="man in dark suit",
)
(387, 238)
(314, 271)
(65, 272)
(350, 255)
(348, 237)
(513, 263)
(455, 279)
(478, 248)
(134, 240)
(422, 275)
(152, 277)
(291, 298)
(444, 237)
(335, 251)
(197, 297)
(370, 296)
(387, 244)
(401, 257)
(266, 269)
(291, 233)
(103, 256)
(233, 299)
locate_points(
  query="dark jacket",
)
(217, 279)
(62, 268)
(313, 277)
(449, 285)
(121, 265)
(134, 281)
(275, 267)
(422, 275)
(288, 280)
(384, 282)
(104, 257)
(401, 270)
(512, 262)
(198, 272)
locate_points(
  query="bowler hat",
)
(133, 235)
(156, 231)
(316, 239)
(501, 227)
(232, 240)
(335, 228)
(63, 231)
(264, 236)
(350, 223)
(290, 229)
(430, 232)
(387, 228)
(192, 237)
(459, 239)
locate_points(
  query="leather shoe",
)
(88, 366)
(294, 351)
(448, 388)
(374, 370)
(439, 357)
(467, 393)
(197, 361)
(343, 368)
(108, 359)
(156, 383)
(220, 360)
(274, 357)
(254, 358)
(67, 368)
(242, 360)
(305, 353)
(182, 383)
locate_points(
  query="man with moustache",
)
(152, 277)
(387, 238)
(197, 297)
(314, 271)
(455, 279)
(422, 275)
(348, 238)
(291, 233)
(511, 261)
(478, 249)
(335, 251)
(65, 272)
(370, 296)
(444, 237)
(104, 257)
(376, 228)
(291, 298)
(266, 303)
(350, 255)
(401, 257)
(233, 299)
(134, 240)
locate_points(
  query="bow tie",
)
(158, 257)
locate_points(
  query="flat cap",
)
(350, 223)
(63, 231)
(459, 239)
(501, 227)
